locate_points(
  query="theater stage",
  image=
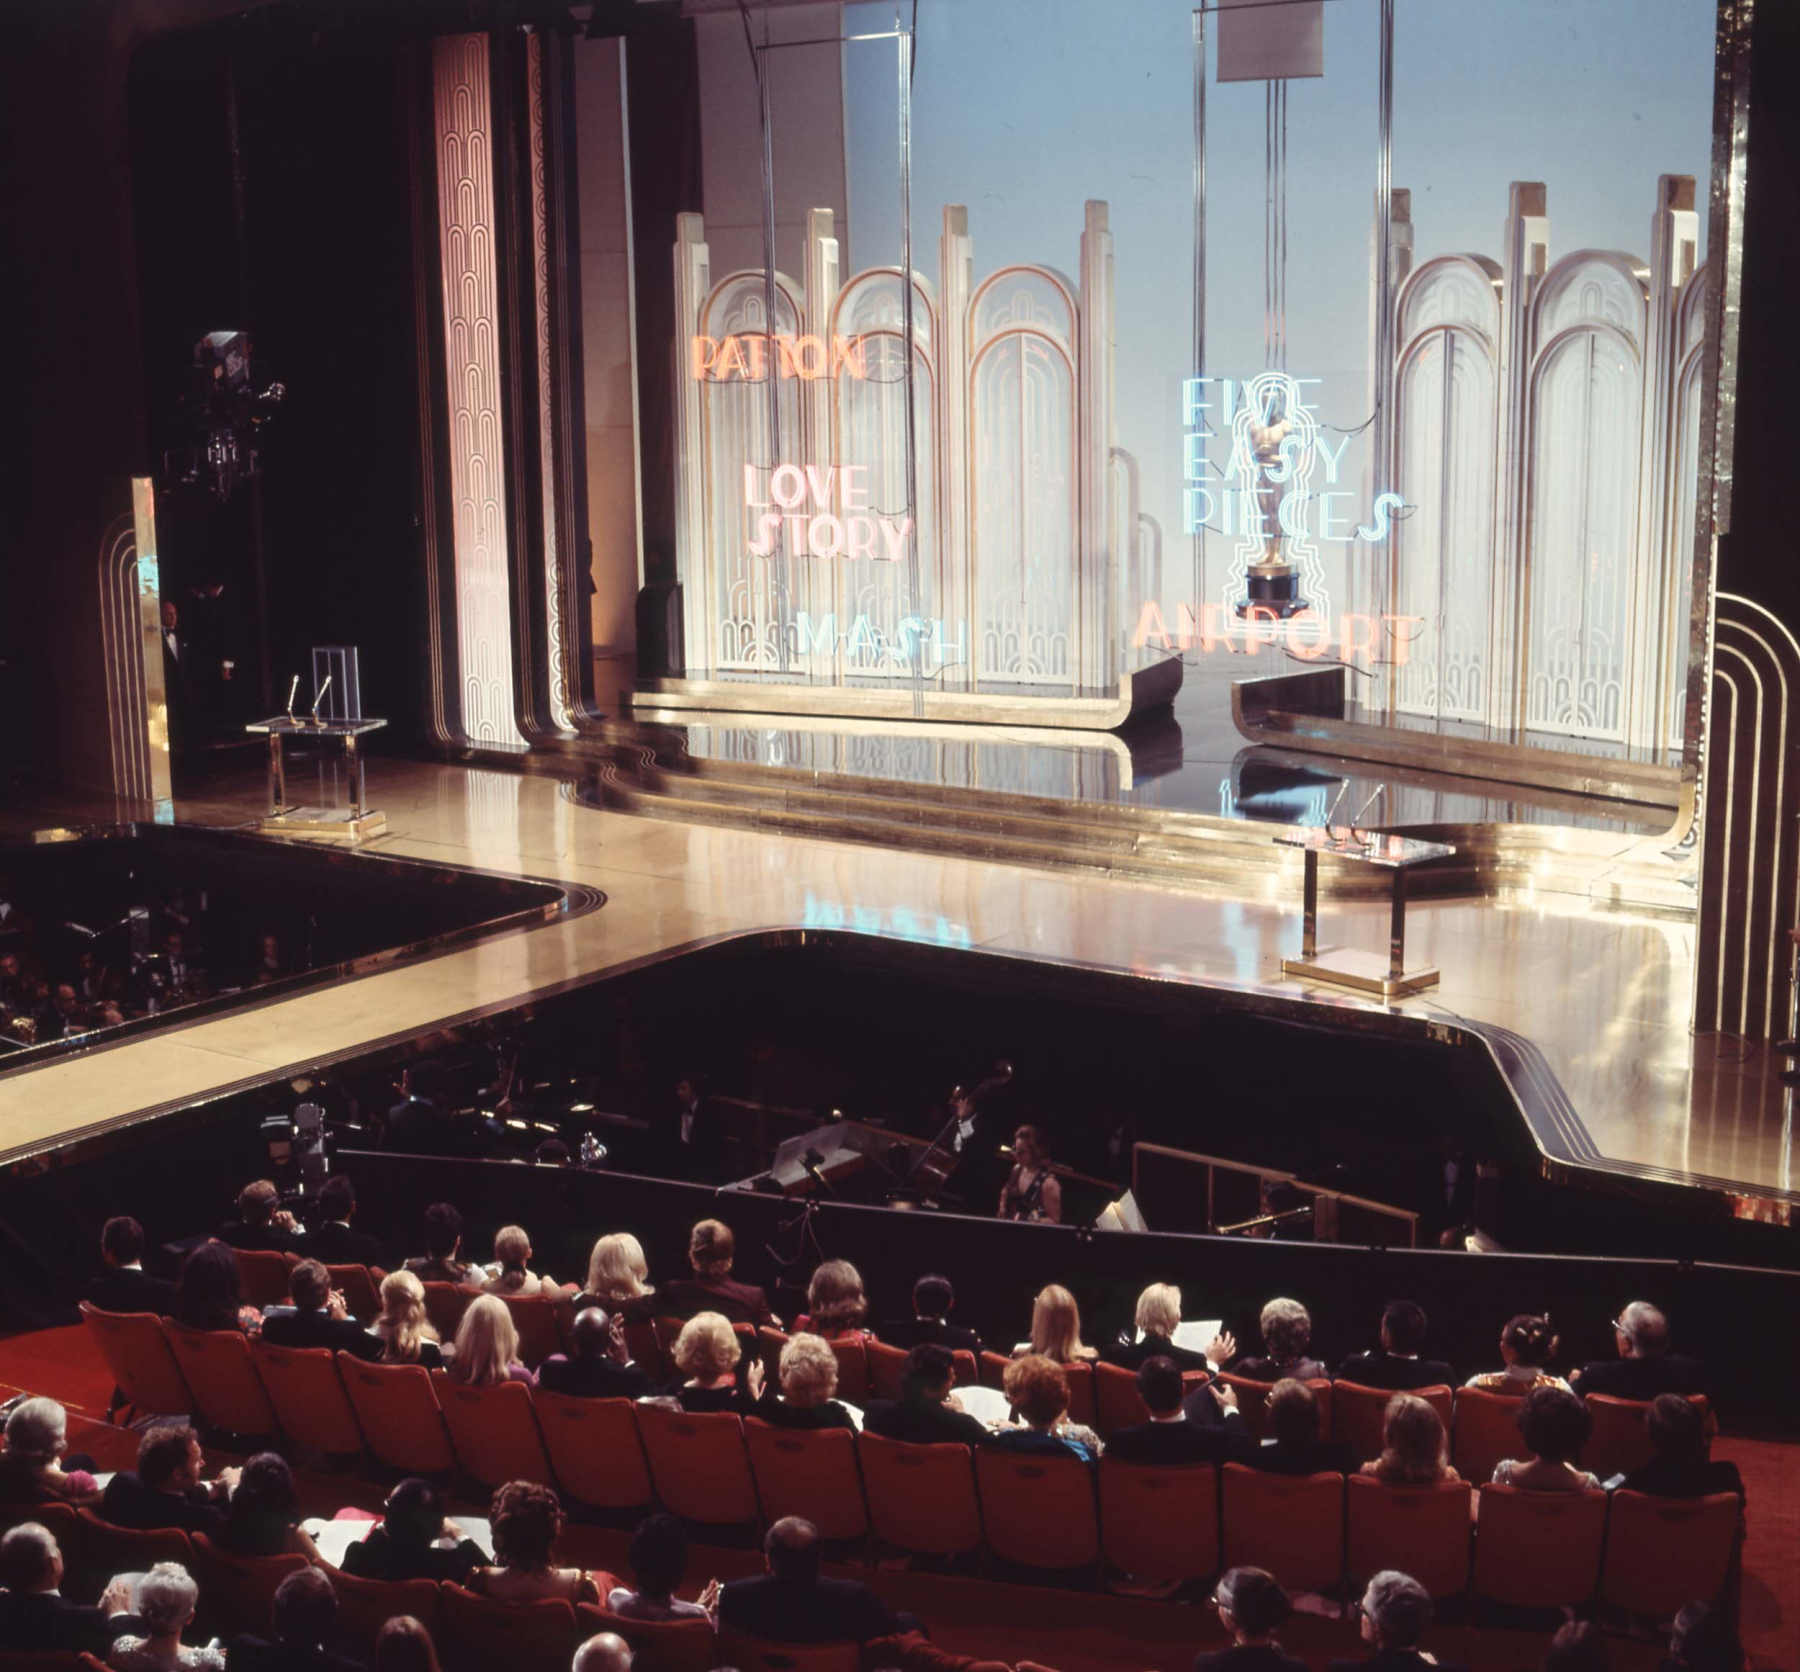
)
(1584, 1002)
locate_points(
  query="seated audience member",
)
(1158, 1317)
(408, 1542)
(706, 1353)
(1645, 1367)
(1578, 1646)
(1168, 1437)
(618, 1279)
(125, 1286)
(933, 1300)
(712, 1288)
(262, 1225)
(1252, 1607)
(304, 1620)
(331, 1241)
(33, 1611)
(1678, 1466)
(835, 1303)
(1398, 1364)
(1395, 1611)
(487, 1346)
(1056, 1328)
(440, 1263)
(31, 1467)
(605, 1651)
(659, 1558)
(1038, 1390)
(598, 1364)
(791, 1603)
(512, 1254)
(1413, 1452)
(263, 1517)
(1294, 1446)
(1555, 1425)
(926, 1413)
(527, 1520)
(404, 1645)
(1286, 1334)
(165, 1601)
(1702, 1641)
(318, 1316)
(809, 1376)
(1527, 1344)
(402, 1333)
(207, 1295)
(168, 1488)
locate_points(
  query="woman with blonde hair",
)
(1056, 1327)
(617, 1278)
(835, 1303)
(511, 1271)
(487, 1346)
(406, 1335)
(32, 1467)
(1413, 1452)
(809, 1379)
(707, 1352)
(165, 1601)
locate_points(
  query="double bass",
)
(938, 1161)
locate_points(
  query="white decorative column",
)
(1096, 651)
(955, 578)
(699, 606)
(463, 111)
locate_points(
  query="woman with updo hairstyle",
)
(1252, 1607)
(835, 1303)
(1413, 1451)
(809, 1379)
(1527, 1344)
(164, 1601)
(35, 1467)
(1037, 1388)
(1555, 1425)
(527, 1520)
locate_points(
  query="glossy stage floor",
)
(1583, 993)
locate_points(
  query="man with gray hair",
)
(33, 1612)
(606, 1651)
(1645, 1367)
(1395, 1613)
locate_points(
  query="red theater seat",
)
(699, 1464)
(366, 1605)
(1359, 1415)
(399, 1415)
(309, 1400)
(1485, 1433)
(1116, 1401)
(236, 1592)
(853, 1369)
(885, 1365)
(263, 1275)
(1293, 1525)
(1038, 1511)
(361, 1288)
(140, 1360)
(494, 1430)
(921, 1498)
(594, 1449)
(1253, 1403)
(1157, 1522)
(98, 1550)
(810, 1474)
(215, 1363)
(1621, 1438)
(1421, 1530)
(752, 1654)
(445, 1303)
(656, 1645)
(1664, 1551)
(1539, 1549)
(540, 1330)
(478, 1634)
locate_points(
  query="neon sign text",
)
(818, 530)
(867, 644)
(1307, 635)
(745, 358)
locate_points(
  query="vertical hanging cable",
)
(1281, 104)
(1268, 225)
(904, 56)
(1383, 346)
(1199, 255)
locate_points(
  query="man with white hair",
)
(1395, 1613)
(1645, 1367)
(605, 1651)
(33, 1611)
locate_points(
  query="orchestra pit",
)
(900, 836)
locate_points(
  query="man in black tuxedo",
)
(1399, 1366)
(1645, 1367)
(168, 1489)
(125, 1286)
(1295, 1447)
(933, 1301)
(262, 1226)
(34, 1614)
(304, 1617)
(598, 1364)
(1168, 1437)
(1395, 1614)
(318, 1317)
(331, 1241)
(923, 1415)
(792, 1604)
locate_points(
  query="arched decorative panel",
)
(1690, 333)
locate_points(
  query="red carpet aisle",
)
(1067, 1631)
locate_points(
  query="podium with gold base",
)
(354, 823)
(1366, 972)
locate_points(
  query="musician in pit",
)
(1032, 1191)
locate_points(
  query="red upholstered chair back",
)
(237, 1592)
(1539, 1549)
(308, 1398)
(647, 1350)
(478, 1634)
(1038, 1511)
(1253, 1403)
(361, 1289)
(263, 1275)
(540, 1331)
(1661, 1549)
(1621, 1438)
(399, 1416)
(1421, 1530)
(752, 1654)
(852, 1357)
(140, 1360)
(366, 1605)
(1157, 1522)
(656, 1645)
(445, 1303)
(215, 1363)
(811, 1474)
(885, 1365)
(1292, 1525)
(493, 1429)
(594, 1449)
(1359, 1415)
(98, 1550)
(1483, 1433)
(699, 1464)
(921, 1498)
